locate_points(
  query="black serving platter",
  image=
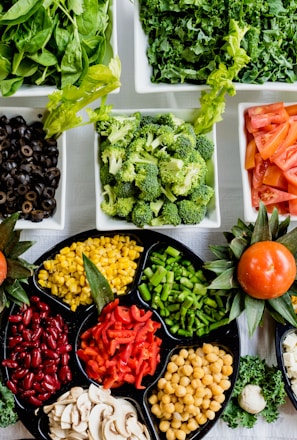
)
(226, 337)
(281, 331)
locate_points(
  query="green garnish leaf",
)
(254, 312)
(100, 288)
(283, 306)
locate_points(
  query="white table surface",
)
(80, 210)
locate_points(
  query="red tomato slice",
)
(268, 142)
(290, 139)
(269, 195)
(250, 153)
(274, 176)
(282, 207)
(288, 159)
(262, 120)
(292, 203)
(259, 170)
(265, 108)
(291, 109)
(291, 176)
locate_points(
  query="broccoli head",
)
(141, 214)
(124, 206)
(141, 157)
(191, 213)
(169, 215)
(205, 146)
(119, 129)
(108, 204)
(169, 119)
(164, 137)
(187, 130)
(114, 156)
(106, 177)
(191, 175)
(147, 182)
(169, 169)
(202, 194)
(126, 173)
(182, 148)
(124, 189)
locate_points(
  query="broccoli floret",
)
(119, 129)
(124, 206)
(142, 157)
(187, 130)
(108, 205)
(156, 206)
(146, 120)
(114, 156)
(169, 169)
(205, 146)
(166, 190)
(147, 182)
(141, 214)
(191, 213)
(124, 189)
(192, 175)
(148, 133)
(106, 177)
(183, 148)
(169, 119)
(164, 137)
(202, 194)
(126, 173)
(169, 215)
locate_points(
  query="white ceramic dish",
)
(31, 90)
(212, 219)
(143, 71)
(57, 221)
(250, 213)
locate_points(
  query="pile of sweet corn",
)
(115, 257)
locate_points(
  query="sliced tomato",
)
(265, 108)
(287, 159)
(291, 175)
(291, 109)
(282, 207)
(250, 153)
(290, 139)
(292, 188)
(268, 142)
(275, 177)
(269, 195)
(259, 170)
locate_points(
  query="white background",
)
(80, 209)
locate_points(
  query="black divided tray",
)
(226, 337)
(281, 331)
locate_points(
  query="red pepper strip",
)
(139, 315)
(139, 377)
(109, 307)
(122, 314)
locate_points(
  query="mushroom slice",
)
(63, 396)
(97, 415)
(66, 416)
(59, 432)
(84, 405)
(110, 431)
(98, 394)
(123, 409)
(75, 392)
(81, 427)
(136, 428)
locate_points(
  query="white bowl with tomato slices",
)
(268, 157)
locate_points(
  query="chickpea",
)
(176, 424)
(210, 414)
(212, 357)
(180, 391)
(192, 425)
(166, 398)
(215, 406)
(169, 408)
(164, 425)
(220, 398)
(179, 407)
(186, 370)
(184, 381)
(172, 367)
(153, 399)
(198, 372)
(207, 379)
(225, 384)
(156, 410)
(188, 399)
(168, 376)
(169, 388)
(228, 359)
(161, 383)
(176, 378)
(184, 353)
(201, 419)
(180, 361)
(170, 434)
(227, 370)
(205, 403)
(180, 434)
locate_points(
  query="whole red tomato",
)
(266, 270)
(3, 268)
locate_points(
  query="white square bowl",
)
(250, 213)
(143, 71)
(28, 90)
(213, 217)
(57, 221)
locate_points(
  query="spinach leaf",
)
(20, 12)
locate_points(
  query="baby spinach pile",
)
(186, 38)
(51, 42)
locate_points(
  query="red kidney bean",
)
(12, 386)
(27, 316)
(38, 353)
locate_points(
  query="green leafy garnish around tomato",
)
(271, 156)
(253, 370)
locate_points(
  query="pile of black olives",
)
(29, 175)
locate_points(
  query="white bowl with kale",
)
(32, 170)
(141, 179)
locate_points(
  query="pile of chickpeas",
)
(191, 390)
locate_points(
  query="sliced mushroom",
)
(110, 431)
(66, 416)
(95, 421)
(84, 405)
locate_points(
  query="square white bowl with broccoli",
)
(152, 170)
